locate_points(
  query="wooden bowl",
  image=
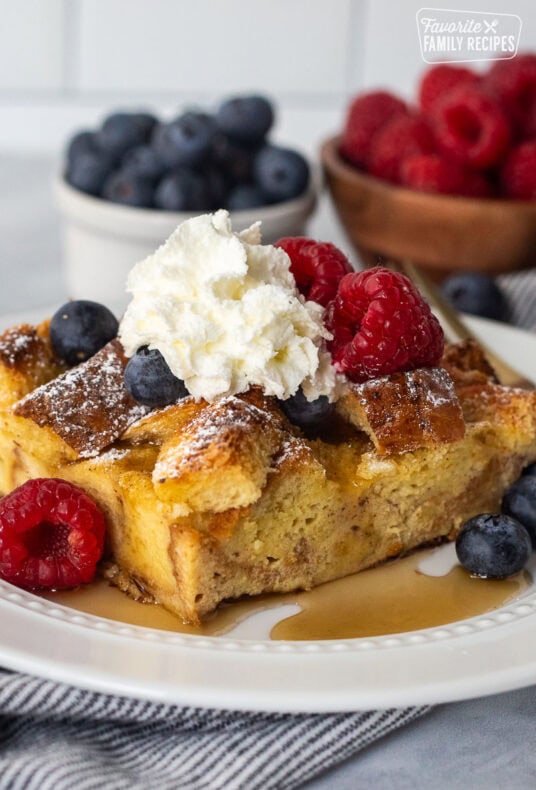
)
(440, 233)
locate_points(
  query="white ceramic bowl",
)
(103, 240)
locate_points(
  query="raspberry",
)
(381, 324)
(514, 84)
(317, 266)
(51, 535)
(434, 173)
(477, 185)
(518, 174)
(366, 116)
(404, 136)
(441, 79)
(471, 127)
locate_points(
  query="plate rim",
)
(308, 677)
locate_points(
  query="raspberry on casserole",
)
(317, 266)
(381, 324)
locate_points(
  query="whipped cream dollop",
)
(224, 311)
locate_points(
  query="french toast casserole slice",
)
(209, 502)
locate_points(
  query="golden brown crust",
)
(126, 582)
(88, 407)
(501, 405)
(467, 364)
(221, 458)
(158, 425)
(26, 347)
(405, 411)
(26, 361)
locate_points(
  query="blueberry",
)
(183, 190)
(119, 132)
(215, 184)
(128, 189)
(282, 174)
(493, 546)
(236, 161)
(146, 122)
(246, 119)
(308, 415)
(185, 141)
(88, 170)
(143, 161)
(530, 470)
(245, 196)
(520, 502)
(81, 143)
(150, 381)
(477, 294)
(81, 328)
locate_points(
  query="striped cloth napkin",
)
(520, 292)
(56, 737)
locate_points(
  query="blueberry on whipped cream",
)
(224, 312)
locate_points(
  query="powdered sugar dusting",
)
(291, 451)
(21, 345)
(439, 389)
(405, 411)
(113, 454)
(14, 345)
(221, 424)
(88, 407)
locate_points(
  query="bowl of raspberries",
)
(125, 186)
(448, 182)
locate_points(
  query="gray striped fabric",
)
(520, 290)
(55, 737)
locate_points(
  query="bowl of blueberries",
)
(127, 185)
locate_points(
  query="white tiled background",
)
(63, 63)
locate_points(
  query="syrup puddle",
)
(424, 590)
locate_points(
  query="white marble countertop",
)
(485, 743)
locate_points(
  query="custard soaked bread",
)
(263, 419)
(212, 501)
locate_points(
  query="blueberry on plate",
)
(246, 196)
(121, 131)
(81, 328)
(183, 190)
(81, 143)
(519, 502)
(493, 547)
(88, 170)
(149, 380)
(235, 160)
(308, 415)
(282, 174)
(128, 189)
(143, 161)
(246, 119)
(185, 141)
(477, 294)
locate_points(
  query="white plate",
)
(483, 655)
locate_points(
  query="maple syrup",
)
(395, 597)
